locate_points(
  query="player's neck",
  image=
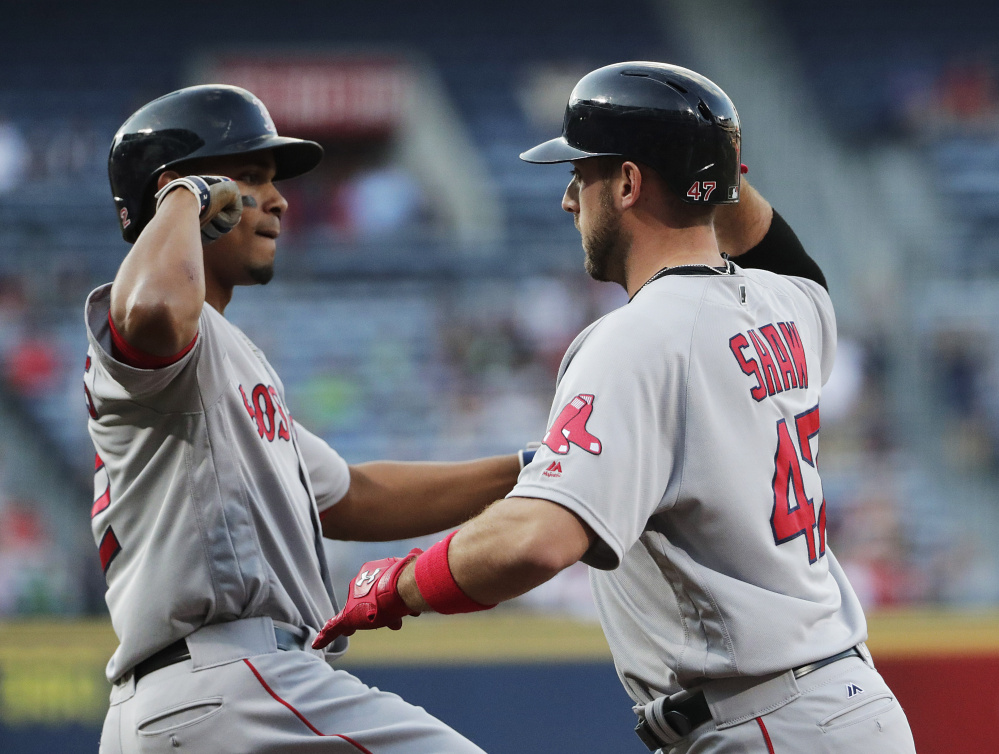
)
(669, 247)
(216, 294)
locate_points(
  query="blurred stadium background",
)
(428, 283)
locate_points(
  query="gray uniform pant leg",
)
(275, 702)
(828, 718)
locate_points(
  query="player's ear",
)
(630, 186)
(165, 177)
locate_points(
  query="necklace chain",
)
(728, 270)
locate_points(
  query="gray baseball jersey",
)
(684, 431)
(206, 516)
(202, 508)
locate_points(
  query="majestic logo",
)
(570, 427)
(125, 222)
(852, 690)
(554, 470)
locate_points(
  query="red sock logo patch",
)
(570, 428)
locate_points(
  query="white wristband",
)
(193, 183)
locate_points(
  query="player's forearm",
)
(754, 232)
(159, 291)
(396, 500)
(739, 227)
(514, 546)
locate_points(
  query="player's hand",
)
(373, 602)
(221, 203)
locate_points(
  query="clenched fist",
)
(221, 205)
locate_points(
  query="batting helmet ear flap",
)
(200, 121)
(670, 118)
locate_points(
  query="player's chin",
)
(260, 274)
(258, 266)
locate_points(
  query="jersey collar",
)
(690, 269)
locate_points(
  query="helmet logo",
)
(268, 121)
(125, 222)
(695, 191)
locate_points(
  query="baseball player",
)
(680, 460)
(211, 499)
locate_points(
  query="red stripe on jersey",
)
(102, 502)
(132, 356)
(299, 715)
(98, 462)
(766, 735)
(108, 549)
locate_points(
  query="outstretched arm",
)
(396, 500)
(515, 545)
(512, 547)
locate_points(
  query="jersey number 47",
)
(794, 512)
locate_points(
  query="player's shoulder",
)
(667, 308)
(786, 285)
(646, 322)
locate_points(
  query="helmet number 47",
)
(701, 190)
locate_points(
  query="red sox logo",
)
(570, 427)
(264, 407)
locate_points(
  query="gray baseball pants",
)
(240, 694)
(843, 708)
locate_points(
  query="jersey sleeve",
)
(133, 382)
(825, 321)
(328, 472)
(610, 450)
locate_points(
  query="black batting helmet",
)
(200, 121)
(670, 118)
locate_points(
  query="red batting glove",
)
(373, 602)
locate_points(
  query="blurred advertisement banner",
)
(331, 96)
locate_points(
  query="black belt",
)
(693, 711)
(178, 652)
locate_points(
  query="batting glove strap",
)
(193, 183)
(220, 204)
(437, 585)
(373, 602)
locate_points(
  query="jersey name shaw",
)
(779, 364)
